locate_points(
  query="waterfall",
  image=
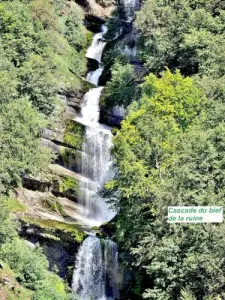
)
(93, 76)
(97, 46)
(95, 275)
(95, 160)
(95, 157)
(88, 281)
(130, 7)
(96, 267)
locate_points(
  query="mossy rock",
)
(68, 184)
(65, 186)
(86, 85)
(71, 158)
(57, 229)
(74, 134)
(52, 204)
(15, 206)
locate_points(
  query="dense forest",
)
(170, 151)
(167, 151)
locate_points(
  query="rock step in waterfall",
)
(96, 267)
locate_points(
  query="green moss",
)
(69, 156)
(68, 183)
(74, 134)
(89, 36)
(86, 85)
(15, 205)
(52, 204)
(71, 140)
(72, 229)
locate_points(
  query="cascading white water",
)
(95, 275)
(88, 280)
(95, 160)
(97, 46)
(89, 115)
(95, 157)
(93, 76)
(130, 7)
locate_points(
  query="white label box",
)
(195, 214)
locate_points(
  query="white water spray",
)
(97, 46)
(93, 76)
(96, 268)
(95, 275)
(130, 7)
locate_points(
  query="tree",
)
(121, 89)
(167, 153)
(183, 34)
(38, 83)
(20, 149)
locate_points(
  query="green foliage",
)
(121, 89)
(185, 295)
(27, 266)
(14, 205)
(20, 150)
(17, 31)
(172, 96)
(9, 81)
(30, 265)
(38, 82)
(41, 53)
(184, 35)
(7, 228)
(68, 183)
(74, 134)
(37, 41)
(13, 291)
(44, 13)
(74, 30)
(52, 289)
(169, 151)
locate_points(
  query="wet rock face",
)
(93, 23)
(110, 118)
(83, 3)
(59, 186)
(92, 64)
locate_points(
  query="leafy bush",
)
(169, 152)
(38, 83)
(121, 89)
(184, 35)
(30, 265)
(20, 149)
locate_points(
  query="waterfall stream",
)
(96, 267)
(95, 158)
(130, 7)
(95, 275)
